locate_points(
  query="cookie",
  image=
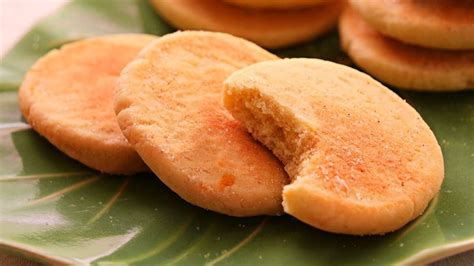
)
(403, 65)
(442, 24)
(169, 108)
(67, 97)
(278, 4)
(268, 28)
(362, 161)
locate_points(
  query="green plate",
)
(54, 209)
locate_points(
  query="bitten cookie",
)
(403, 65)
(268, 28)
(277, 4)
(169, 108)
(442, 24)
(362, 161)
(67, 97)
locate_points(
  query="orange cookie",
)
(277, 4)
(67, 96)
(169, 108)
(441, 24)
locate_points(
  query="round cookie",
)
(277, 4)
(403, 65)
(67, 97)
(362, 161)
(268, 28)
(442, 24)
(169, 108)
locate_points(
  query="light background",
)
(17, 16)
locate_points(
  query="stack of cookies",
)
(268, 23)
(328, 144)
(419, 45)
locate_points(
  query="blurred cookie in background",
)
(268, 28)
(277, 4)
(442, 24)
(67, 97)
(403, 65)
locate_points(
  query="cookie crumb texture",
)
(362, 161)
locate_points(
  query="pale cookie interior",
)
(270, 124)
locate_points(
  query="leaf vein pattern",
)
(65, 190)
(242, 243)
(111, 202)
(188, 251)
(162, 245)
(47, 175)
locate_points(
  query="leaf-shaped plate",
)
(54, 209)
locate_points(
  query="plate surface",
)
(54, 209)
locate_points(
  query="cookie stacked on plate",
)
(420, 45)
(268, 23)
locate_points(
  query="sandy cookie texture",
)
(403, 65)
(268, 28)
(67, 97)
(362, 161)
(442, 24)
(169, 108)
